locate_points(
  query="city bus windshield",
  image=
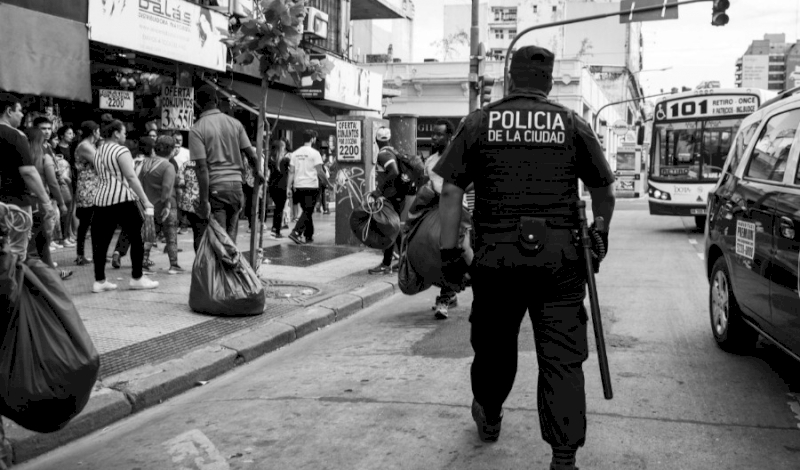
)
(691, 151)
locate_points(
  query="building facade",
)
(769, 63)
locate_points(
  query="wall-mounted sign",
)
(755, 71)
(175, 29)
(119, 100)
(347, 84)
(625, 184)
(620, 127)
(348, 141)
(177, 108)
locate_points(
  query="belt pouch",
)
(532, 234)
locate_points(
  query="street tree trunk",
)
(255, 260)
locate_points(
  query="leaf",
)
(247, 58)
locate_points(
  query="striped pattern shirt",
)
(113, 188)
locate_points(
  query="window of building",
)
(771, 152)
(511, 14)
(555, 8)
(498, 14)
(512, 33)
(536, 9)
(333, 9)
(498, 34)
(776, 68)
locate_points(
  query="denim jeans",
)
(226, 203)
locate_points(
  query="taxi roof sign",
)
(627, 7)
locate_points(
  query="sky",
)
(693, 50)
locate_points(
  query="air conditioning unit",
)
(316, 23)
(242, 8)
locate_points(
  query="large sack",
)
(48, 364)
(422, 266)
(375, 223)
(223, 283)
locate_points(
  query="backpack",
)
(411, 168)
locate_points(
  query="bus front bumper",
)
(680, 210)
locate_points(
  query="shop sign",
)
(175, 29)
(119, 100)
(177, 108)
(625, 184)
(348, 141)
(346, 84)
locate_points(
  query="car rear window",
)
(771, 152)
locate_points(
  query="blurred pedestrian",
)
(86, 188)
(116, 204)
(145, 149)
(216, 142)
(189, 200)
(158, 180)
(279, 161)
(305, 177)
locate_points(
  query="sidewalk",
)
(152, 346)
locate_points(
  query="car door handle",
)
(787, 228)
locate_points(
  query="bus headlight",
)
(658, 194)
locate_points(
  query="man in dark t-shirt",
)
(18, 176)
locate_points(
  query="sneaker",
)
(443, 305)
(103, 286)
(143, 283)
(309, 239)
(65, 274)
(284, 227)
(67, 243)
(115, 260)
(554, 466)
(148, 263)
(147, 269)
(487, 431)
(82, 260)
(55, 246)
(380, 269)
(176, 270)
(295, 237)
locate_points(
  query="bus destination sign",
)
(675, 171)
(708, 106)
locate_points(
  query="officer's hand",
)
(454, 268)
(599, 246)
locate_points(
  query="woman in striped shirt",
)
(115, 204)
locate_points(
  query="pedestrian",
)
(440, 139)
(391, 187)
(158, 181)
(64, 173)
(305, 176)
(66, 147)
(189, 200)
(116, 204)
(525, 155)
(180, 157)
(216, 142)
(279, 162)
(18, 179)
(322, 201)
(248, 181)
(45, 124)
(145, 149)
(41, 245)
(87, 185)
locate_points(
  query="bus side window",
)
(742, 141)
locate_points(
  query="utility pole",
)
(474, 59)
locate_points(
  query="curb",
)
(131, 391)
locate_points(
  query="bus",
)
(692, 133)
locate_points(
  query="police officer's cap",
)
(532, 60)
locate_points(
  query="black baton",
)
(597, 321)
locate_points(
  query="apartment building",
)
(770, 63)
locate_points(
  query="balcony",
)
(381, 9)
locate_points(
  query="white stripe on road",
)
(693, 241)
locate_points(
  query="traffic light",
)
(718, 15)
(487, 84)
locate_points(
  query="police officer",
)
(525, 155)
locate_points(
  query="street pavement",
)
(388, 388)
(152, 346)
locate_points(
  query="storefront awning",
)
(281, 104)
(44, 55)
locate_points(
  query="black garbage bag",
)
(375, 223)
(48, 364)
(223, 282)
(420, 259)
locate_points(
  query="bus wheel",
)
(700, 222)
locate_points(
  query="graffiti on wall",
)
(351, 186)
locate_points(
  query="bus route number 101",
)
(688, 109)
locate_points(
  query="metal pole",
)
(597, 116)
(474, 40)
(577, 20)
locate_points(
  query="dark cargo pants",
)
(551, 287)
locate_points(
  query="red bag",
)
(48, 364)
(223, 283)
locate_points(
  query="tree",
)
(448, 45)
(272, 36)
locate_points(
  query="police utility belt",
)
(533, 234)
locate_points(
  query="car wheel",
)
(730, 331)
(700, 222)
